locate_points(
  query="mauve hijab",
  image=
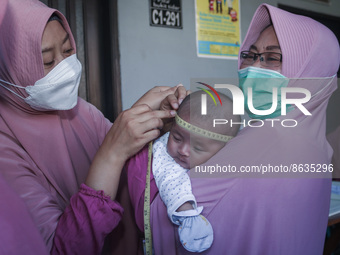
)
(45, 156)
(271, 215)
(18, 234)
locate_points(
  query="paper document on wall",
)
(218, 28)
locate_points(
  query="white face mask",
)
(58, 90)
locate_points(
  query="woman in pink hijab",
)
(277, 213)
(57, 151)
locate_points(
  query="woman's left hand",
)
(172, 102)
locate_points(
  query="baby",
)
(191, 141)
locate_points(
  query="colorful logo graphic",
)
(259, 116)
(209, 93)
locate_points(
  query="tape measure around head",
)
(200, 131)
(147, 225)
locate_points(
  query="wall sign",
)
(166, 13)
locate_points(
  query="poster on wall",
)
(218, 32)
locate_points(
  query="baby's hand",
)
(195, 231)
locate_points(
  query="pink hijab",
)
(18, 235)
(45, 156)
(271, 214)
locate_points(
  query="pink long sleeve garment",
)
(18, 234)
(90, 217)
(45, 156)
(280, 214)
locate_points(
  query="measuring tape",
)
(200, 131)
(147, 225)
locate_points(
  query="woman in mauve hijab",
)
(57, 151)
(278, 213)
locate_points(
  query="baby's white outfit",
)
(171, 179)
(174, 187)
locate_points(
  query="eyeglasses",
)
(267, 59)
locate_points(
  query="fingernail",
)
(180, 100)
(173, 113)
(180, 85)
(175, 105)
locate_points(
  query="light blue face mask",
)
(262, 83)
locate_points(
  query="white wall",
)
(152, 56)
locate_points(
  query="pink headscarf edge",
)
(21, 61)
(35, 15)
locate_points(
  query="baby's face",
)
(190, 150)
